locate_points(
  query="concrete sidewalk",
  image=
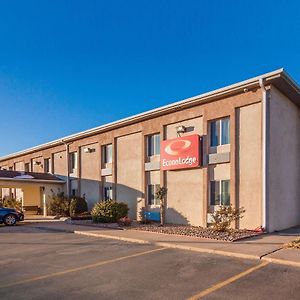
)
(266, 247)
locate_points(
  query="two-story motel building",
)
(239, 145)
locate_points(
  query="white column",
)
(44, 204)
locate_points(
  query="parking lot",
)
(39, 264)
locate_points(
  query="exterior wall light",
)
(88, 150)
(180, 129)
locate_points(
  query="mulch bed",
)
(230, 236)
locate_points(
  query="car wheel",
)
(10, 220)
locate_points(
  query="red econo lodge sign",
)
(180, 153)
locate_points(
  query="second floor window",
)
(73, 161)
(153, 145)
(220, 132)
(47, 165)
(107, 154)
(27, 167)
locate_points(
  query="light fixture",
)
(88, 150)
(36, 162)
(180, 129)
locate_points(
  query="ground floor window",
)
(107, 193)
(74, 187)
(220, 192)
(151, 191)
(74, 192)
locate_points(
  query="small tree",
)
(225, 215)
(161, 195)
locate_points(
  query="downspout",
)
(264, 154)
(68, 167)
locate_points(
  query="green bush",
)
(59, 205)
(11, 203)
(109, 211)
(78, 205)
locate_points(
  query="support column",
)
(44, 203)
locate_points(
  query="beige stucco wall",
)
(185, 187)
(60, 163)
(284, 162)
(129, 171)
(32, 196)
(249, 164)
(90, 174)
(19, 166)
(127, 175)
(38, 164)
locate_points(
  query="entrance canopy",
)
(31, 188)
(20, 176)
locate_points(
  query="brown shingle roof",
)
(20, 175)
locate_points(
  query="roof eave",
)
(32, 180)
(278, 77)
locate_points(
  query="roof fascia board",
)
(31, 180)
(209, 96)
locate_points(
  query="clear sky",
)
(67, 66)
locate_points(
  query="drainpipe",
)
(264, 153)
(68, 167)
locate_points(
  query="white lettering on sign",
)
(180, 161)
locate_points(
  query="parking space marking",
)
(90, 266)
(227, 282)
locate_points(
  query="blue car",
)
(10, 216)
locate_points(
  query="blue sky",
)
(67, 66)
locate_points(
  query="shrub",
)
(11, 203)
(223, 217)
(109, 211)
(59, 205)
(126, 221)
(78, 205)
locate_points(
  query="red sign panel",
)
(180, 153)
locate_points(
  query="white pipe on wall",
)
(68, 167)
(264, 153)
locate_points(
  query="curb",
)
(181, 247)
(210, 251)
(282, 261)
(168, 245)
(112, 237)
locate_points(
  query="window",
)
(153, 145)
(27, 167)
(73, 162)
(107, 154)
(220, 192)
(151, 191)
(107, 193)
(74, 187)
(47, 165)
(220, 132)
(74, 192)
(10, 168)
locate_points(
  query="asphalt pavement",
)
(41, 264)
